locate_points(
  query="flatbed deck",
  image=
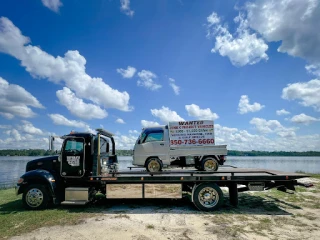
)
(228, 173)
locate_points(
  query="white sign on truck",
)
(191, 133)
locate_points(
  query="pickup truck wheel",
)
(209, 164)
(35, 197)
(207, 197)
(154, 165)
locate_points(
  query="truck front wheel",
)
(35, 197)
(207, 196)
(209, 164)
(153, 165)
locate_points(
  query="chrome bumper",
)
(17, 187)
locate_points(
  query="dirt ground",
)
(260, 215)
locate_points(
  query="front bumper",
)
(17, 188)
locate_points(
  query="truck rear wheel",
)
(209, 164)
(153, 165)
(35, 197)
(207, 197)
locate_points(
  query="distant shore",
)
(42, 152)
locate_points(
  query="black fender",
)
(38, 176)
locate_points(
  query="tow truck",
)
(87, 165)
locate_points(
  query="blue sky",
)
(124, 65)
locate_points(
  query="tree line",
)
(42, 152)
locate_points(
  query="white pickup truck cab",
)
(155, 147)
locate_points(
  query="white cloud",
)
(27, 127)
(282, 112)
(243, 47)
(245, 107)
(272, 126)
(131, 131)
(125, 141)
(53, 5)
(79, 108)
(59, 119)
(237, 139)
(15, 101)
(313, 69)
(146, 80)
(201, 114)
(304, 119)
(290, 22)
(175, 87)
(7, 115)
(145, 123)
(5, 126)
(125, 7)
(120, 120)
(307, 92)
(69, 69)
(166, 115)
(127, 73)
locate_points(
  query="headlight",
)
(20, 180)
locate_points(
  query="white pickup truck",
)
(184, 143)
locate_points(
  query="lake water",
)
(11, 168)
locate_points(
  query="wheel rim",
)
(210, 165)
(208, 197)
(154, 165)
(34, 197)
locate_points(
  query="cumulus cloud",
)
(243, 47)
(127, 73)
(15, 101)
(53, 5)
(174, 86)
(147, 80)
(244, 106)
(166, 115)
(201, 114)
(27, 127)
(238, 139)
(290, 22)
(282, 112)
(125, 141)
(272, 126)
(134, 131)
(145, 123)
(304, 119)
(69, 69)
(120, 120)
(59, 119)
(125, 7)
(78, 107)
(308, 93)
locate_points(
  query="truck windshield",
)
(74, 145)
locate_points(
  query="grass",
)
(150, 226)
(15, 220)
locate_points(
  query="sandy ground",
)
(260, 215)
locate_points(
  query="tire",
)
(207, 197)
(209, 164)
(35, 197)
(154, 165)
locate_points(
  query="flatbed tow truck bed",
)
(203, 187)
(224, 174)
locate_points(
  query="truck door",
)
(72, 157)
(155, 142)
